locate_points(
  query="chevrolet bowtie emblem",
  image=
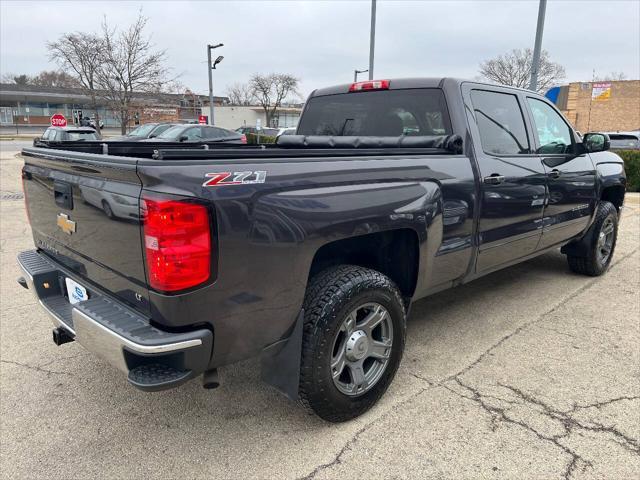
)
(67, 226)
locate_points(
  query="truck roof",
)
(415, 82)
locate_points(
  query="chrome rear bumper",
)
(153, 359)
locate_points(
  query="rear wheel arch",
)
(394, 253)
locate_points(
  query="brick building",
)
(600, 106)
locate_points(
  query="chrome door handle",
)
(555, 173)
(494, 179)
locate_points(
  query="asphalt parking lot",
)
(530, 373)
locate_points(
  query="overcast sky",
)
(322, 42)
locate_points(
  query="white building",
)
(234, 116)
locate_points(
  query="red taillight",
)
(243, 139)
(177, 243)
(369, 85)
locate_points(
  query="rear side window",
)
(383, 113)
(500, 122)
(214, 132)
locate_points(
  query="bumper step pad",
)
(156, 376)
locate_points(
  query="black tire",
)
(107, 209)
(592, 263)
(331, 296)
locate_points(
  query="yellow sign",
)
(601, 91)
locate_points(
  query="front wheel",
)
(353, 341)
(600, 243)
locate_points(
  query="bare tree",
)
(240, 94)
(56, 79)
(79, 55)
(16, 79)
(514, 69)
(45, 78)
(130, 63)
(270, 90)
(613, 76)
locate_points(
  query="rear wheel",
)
(601, 240)
(353, 341)
(107, 209)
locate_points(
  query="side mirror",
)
(596, 142)
(183, 138)
(152, 136)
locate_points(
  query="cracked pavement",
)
(530, 373)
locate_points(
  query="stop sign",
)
(58, 120)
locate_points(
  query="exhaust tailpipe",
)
(210, 379)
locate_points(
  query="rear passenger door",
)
(512, 177)
(571, 178)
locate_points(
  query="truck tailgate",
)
(84, 213)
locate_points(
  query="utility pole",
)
(372, 40)
(535, 64)
(210, 68)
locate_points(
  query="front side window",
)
(192, 134)
(553, 134)
(500, 122)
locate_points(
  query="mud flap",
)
(280, 362)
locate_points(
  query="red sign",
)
(203, 119)
(58, 120)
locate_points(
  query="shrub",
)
(632, 167)
(252, 139)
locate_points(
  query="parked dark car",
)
(310, 253)
(198, 133)
(148, 130)
(68, 134)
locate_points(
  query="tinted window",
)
(213, 132)
(192, 134)
(623, 141)
(553, 134)
(386, 113)
(500, 122)
(160, 128)
(172, 133)
(142, 130)
(81, 136)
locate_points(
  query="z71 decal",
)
(235, 178)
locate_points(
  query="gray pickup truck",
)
(309, 253)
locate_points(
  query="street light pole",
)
(356, 72)
(372, 39)
(210, 68)
(535, 63)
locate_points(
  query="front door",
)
(571, 179)
(513, 180)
